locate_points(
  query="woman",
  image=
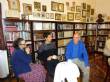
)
(48, 54)
(22, 66)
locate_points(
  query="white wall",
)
(44, 2)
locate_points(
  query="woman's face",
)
(49, 38)
(22, 44)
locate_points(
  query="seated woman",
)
(22, 66)
(48, 54)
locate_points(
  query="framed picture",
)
(88, 8)
(88, 14)
(92, 11)
(37, 6)
(73, 9)
(84, 6)
(14, 5)
(54, 6)
(70, 16)
(60, 7)
(67, 4)
(52, 16)
(27, 9)
(84, 13)
(47, 15)
(78, 8)
(77, 16)
(57, 16)
(44, 8)
(73, 4)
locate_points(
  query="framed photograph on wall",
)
(78, 8)
(52, 16)
(27, 9)
(44, 8)
(73, 4)
(57, 16)
(84, 13)
(84, 6)
(70, 16)
(60, 7)
(54, 6)
(92, 11)
(88, 8)
(77, 16)
(14, 5)
(73, 9)
(37, 6)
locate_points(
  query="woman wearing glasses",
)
(22, 66)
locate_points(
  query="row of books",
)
(103, 32)
(11, 36)
(80, 26)
(91, 32)
(43, 26)
(64, 26)
(63, 42)
(65, 34)
(17, 26)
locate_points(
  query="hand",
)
(54, 57)
(27, 50)
(49, 58)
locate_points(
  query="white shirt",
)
(67, 70)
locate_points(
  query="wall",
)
(44, 2)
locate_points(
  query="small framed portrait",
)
(52, 16)
(70, 16)
(27, 9)
(67, 4)
(84, 6)
(14, 5)
(88, 14)
(37, 6)
(60, 7)
(54, 6)
(92, 11)
(77, 16)
(44, 8)
(88, 8)
(78, 8)
(43, 14)
(73, 4)
(57, 16)
(84, 13)
(73, 9)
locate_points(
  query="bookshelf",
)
(15, 28)
(94, 35)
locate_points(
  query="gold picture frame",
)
(70, 16)
(27, 9)
(14, 5)
(54, 6)
(88, 8)
(77, 16)
(84, 6)
(57, 16)
(78, 8)
(37, 6)
(92, 11)
(73, 9)
(84, 13)
(60, 7)
(44, 8)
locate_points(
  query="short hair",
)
(45, 34)
(17, 42)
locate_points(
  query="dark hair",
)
(17, 42)
(100, 16)
(45, 35)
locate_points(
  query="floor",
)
(97, 71)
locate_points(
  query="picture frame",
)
(78, 8)
(57, 16)
(14, 5)
(37, 6)
(73, 9)
(73, 4)
(88, 8)
(27, 9)
(88, 14)
(84, 13)
(47, 15)
(92, 11)
(77, 16)
(67, 4)
(54, 6)
(84, 6)
(70, 16)
(60, 7)
(52, 15)
(44, 8)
